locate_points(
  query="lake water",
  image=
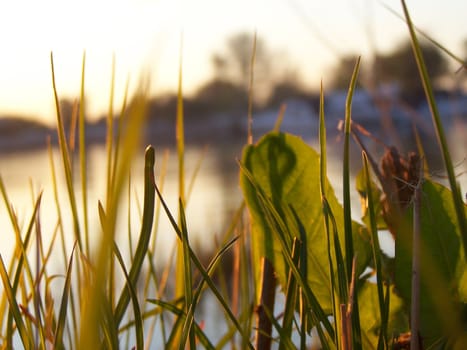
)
(214, 197)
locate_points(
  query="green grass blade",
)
(145, 234)
(25, 336)
(438, 125)
(349, 250)
(58, 339)
(190, 314)
(110, 138)
(82, 156)
(66, 160)
(290, 299)
(180, 139)
(376, 253)
(130, 285)
(171, 306)
(203, 271)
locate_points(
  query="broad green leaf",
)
(370, 318)
(443, 285)
(287, 171)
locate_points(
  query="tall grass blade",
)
(61, 322)
(438, 125)
(25, 336)
(171, 306)
(250, 91)
(180, 139)
(290, 299)
(203, 271)
(66, 160)
(145, 233)
(190, 312)
(349, 250)
(82, 157)
(110, 133)
(130, 285)
(383, 340)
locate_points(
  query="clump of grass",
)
(312, 249)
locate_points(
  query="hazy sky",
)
(145, 36)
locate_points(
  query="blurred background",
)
(299, 43)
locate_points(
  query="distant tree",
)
(219, 94)
(288, 86)
(400, 66)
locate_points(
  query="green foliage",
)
(443, 265)
(286, 170)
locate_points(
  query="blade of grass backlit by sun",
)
(25, 336)
(201, 286)
(110, 133)
(145, 233)
(61, 322)
(190, 312)
(66, 160)
(250, 91)
(322, 181)
(130, 286)
(82, 156)
(94, 313)
(171, 306)
(438, 125)
(290, 299)
(428, 37)
(382, 341)
(180, 139)
(203, 271)
(349, 250)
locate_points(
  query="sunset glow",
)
(144, 36)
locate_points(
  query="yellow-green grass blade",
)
(180, 139)
(110, 136)
(82, 156)
(443, 48)
(203, 271)
(291, 294)
(66, 160)
(190, 310)
(59, 330)
(171, 306)
(438, 125)
(383, 341)
(145, 233)
(326, 214)
(130, 285)
(201, 286)
(26, 337)
(349, 250)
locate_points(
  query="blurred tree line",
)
(276, 79)
(399, 69)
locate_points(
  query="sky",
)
(144, 38)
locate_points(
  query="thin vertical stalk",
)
(440, 134)
(349, 251)
(82, 157)
(250, 92)
(416, 263)
(66, 159)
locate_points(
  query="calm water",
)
(214, 197)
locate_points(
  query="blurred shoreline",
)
(388, 121)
